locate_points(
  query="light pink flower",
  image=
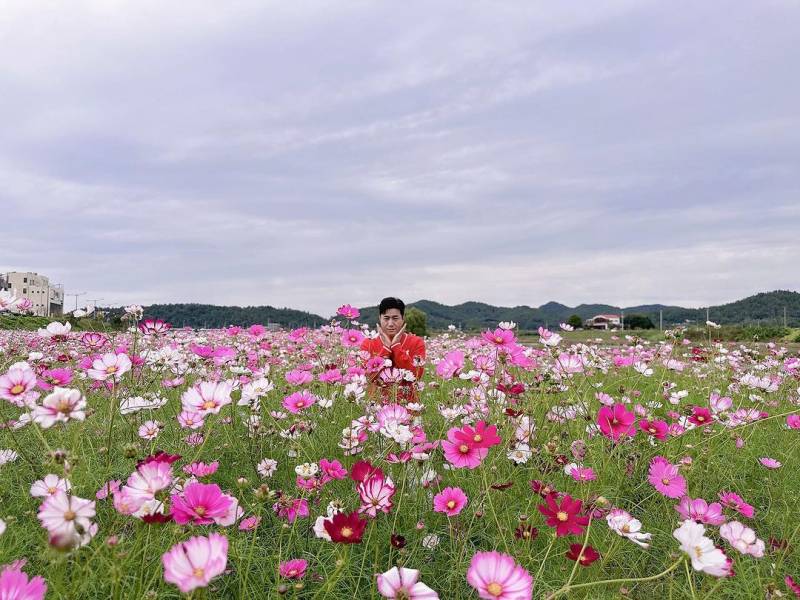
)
(149, 430)
(770, 463)
(190, 420)
(352, 338)
(404, 584)
(18, 386)
(201, 469)
(742, 538)
(701, 550)
(110, 366)
(207, 397)
(450, 501)
(60, 406)
(68, 519)
(195, 562)
(569, 363)
(497, 576)
(49, 485)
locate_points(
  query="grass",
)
(123, 561)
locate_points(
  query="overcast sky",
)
(310, 154)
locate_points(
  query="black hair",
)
(389, 303)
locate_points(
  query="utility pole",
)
(76, 298)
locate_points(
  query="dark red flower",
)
(345, 528)
(159, 456)
(398, 541)
(157, 518)
(566, 517)
(587, 557)
(363, 470)
(542, 488)
(526, 532)
(502, 486)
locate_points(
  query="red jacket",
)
(408, 353)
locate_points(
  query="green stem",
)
(569, 588)
(689, 579)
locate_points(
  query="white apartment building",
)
(47, 299)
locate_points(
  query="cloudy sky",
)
(308, 154)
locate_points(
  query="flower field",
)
(252, 463)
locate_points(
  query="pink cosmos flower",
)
(352, 338)
(450, 501)
(735, 502)
(461, 454)
(149, 430)
(18, 387)
(14, 583)
(701, 416)
(658, 429)
(299, 401)
(566, 517)
(51, 378)
(207, 397)
(293, 569)
(200, 504)
(569, 363)
(249, 523)
(770, 463)
(616, 422)
(665, 478)
(376, 494)
(452, 363)
(701, 550)
(793, 421)
(719, 403)
(60, 406)
(67, 518)
(348, 312)
(191, 420)
(195, 562)
(500, 338)
(49, 485)
(742, 538)
(108, 488)
(404, 584)
(482, 436)
(110, 366)
(291, 509)
(201, 469)
(701, 511)
(93, 341)
(331, 469)
(298, 377)
(582, 473)
(497, 576)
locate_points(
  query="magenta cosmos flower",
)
(293, 569)
(404, 584)
(14, 583)
(616, 421)
(566, 517)
(200, 504)
(658, 429)
(497, 576)
(450, 501)
(352, 338)
(770, 463)
(664, 477)
(460, 453)
(299, 401)
(735, 501)
(195, 562)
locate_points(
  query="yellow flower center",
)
(562, 516)
(477, 437)
(451, 504)
(111, 369)
(346, 532)
(69, 515)
(300, 404)
(198, 572)
(665, 481)
(200, 510)
(17, 389)
(494, 588)
(463, 448)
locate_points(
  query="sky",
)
(310, 154)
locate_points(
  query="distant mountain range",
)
(761, 308)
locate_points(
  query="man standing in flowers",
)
(397, 357)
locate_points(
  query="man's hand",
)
(397, 336)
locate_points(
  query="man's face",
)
(391, 321)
